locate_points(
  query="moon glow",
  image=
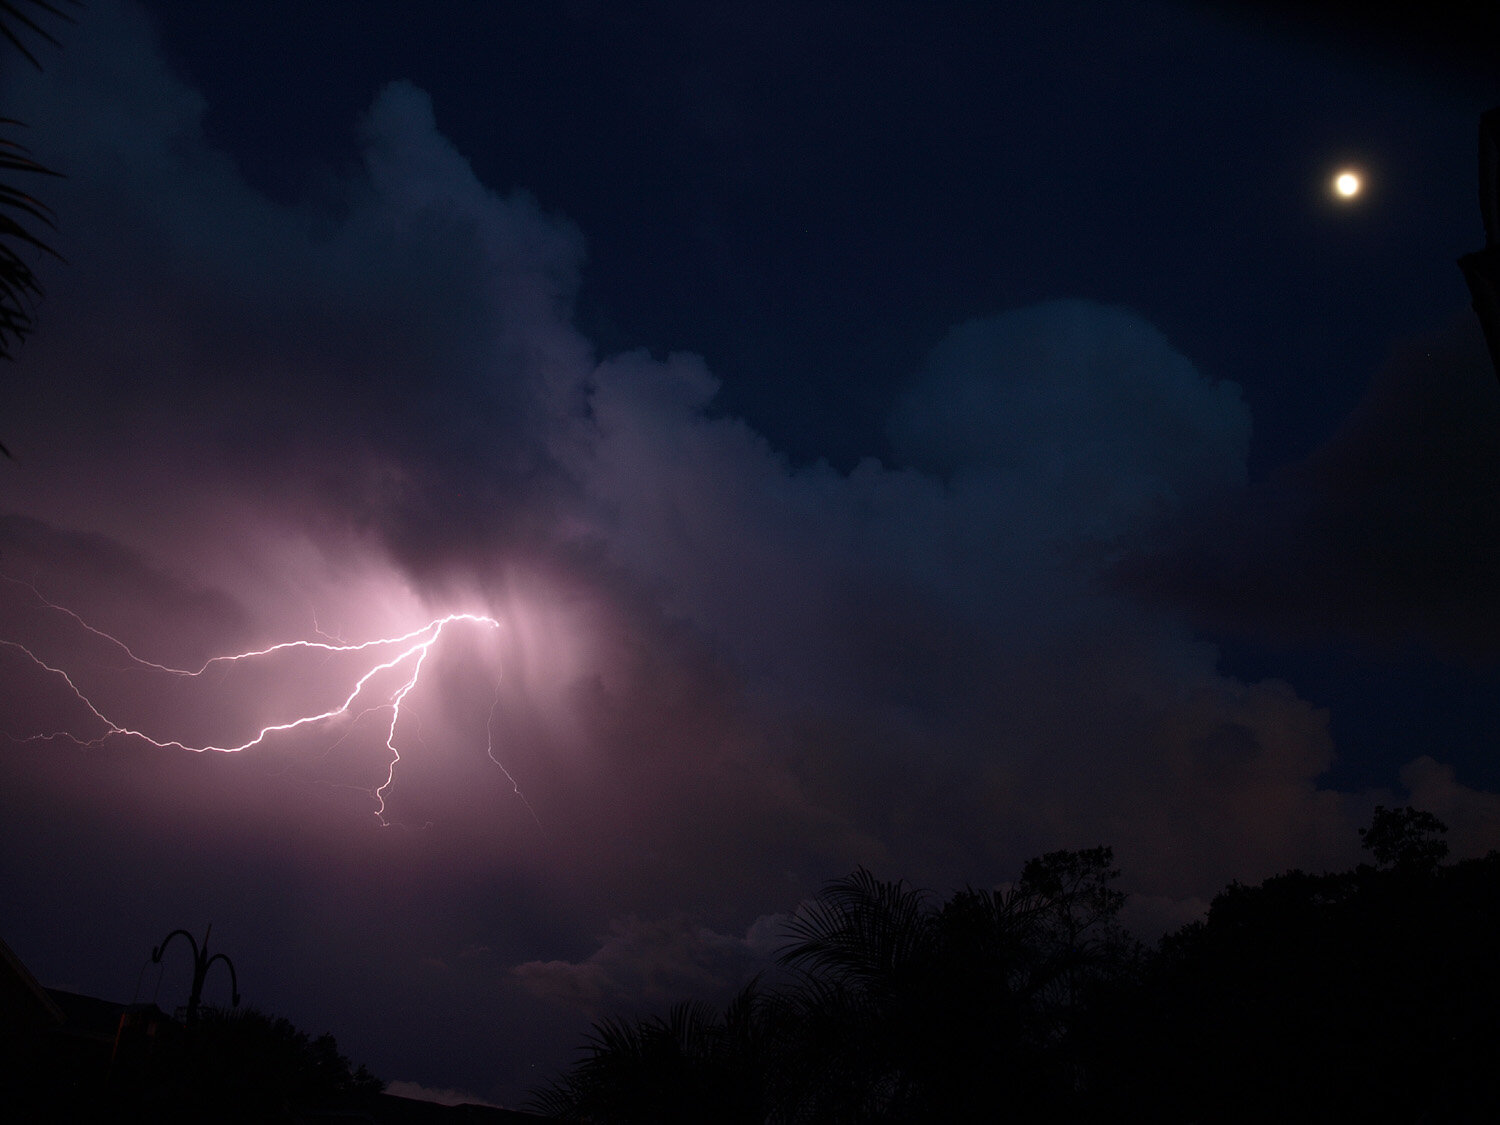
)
(1347, 185)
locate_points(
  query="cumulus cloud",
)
(441, 1095)
(645, 965)
(1384, 534)
(1472, 816)
(399, 368)
(1090, 401)
(941, 629)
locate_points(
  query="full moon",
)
(1347, 185)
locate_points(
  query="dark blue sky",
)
(914, 435)
(809, 196)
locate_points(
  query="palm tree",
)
(692, 1065)
(19, 210)
(900, 1009)
(906, 1011)
(19, 286)
(14, 22)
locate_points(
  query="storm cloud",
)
(722, 677)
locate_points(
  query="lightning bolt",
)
(408, 651)
(489, 730)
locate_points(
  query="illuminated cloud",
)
(645, 965)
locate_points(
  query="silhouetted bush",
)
(242, 1065)
(1369, 995)
(900, 1009)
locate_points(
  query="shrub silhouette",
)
(901, 1008)
(1366, 995)
(244, 1065)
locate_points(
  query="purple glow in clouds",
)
(403, 656)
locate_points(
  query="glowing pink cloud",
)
(407, 651)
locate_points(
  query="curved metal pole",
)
(234, 984)
(201, 962)
(162, 948)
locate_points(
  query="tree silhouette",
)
(242, 1064)
(1481, 269)
(1363, 995)
(19, 210)
(1405, 838)
(928, 1010)
(900, 1008)
(868, 956)
(14, 23)
(693, 1065)
(1367, 995)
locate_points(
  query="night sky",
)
(911, 435)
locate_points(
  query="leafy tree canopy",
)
(1405, 838)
